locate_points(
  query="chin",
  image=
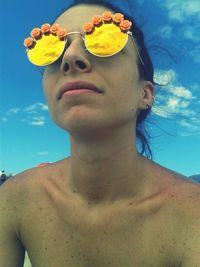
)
(88, 128)
(78, 125)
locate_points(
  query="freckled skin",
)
(72, 232)
(100, 207)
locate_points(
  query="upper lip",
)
(78, 85)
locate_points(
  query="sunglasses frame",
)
(82, 35)
(128, 34)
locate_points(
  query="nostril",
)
(78, 64)
(81, 64)
(66, 67)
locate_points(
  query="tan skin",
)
(105, 205)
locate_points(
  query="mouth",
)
(79, 85)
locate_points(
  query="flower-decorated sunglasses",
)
(104, 36)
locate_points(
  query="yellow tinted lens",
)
(46, 50)
(106, 40)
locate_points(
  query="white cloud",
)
(195, 54)
(187, 13)
(164, 76)
(173, 103)
(189, 113)
(160, 111)
(165, 32)
(192, 33)
(180, 91)
(176, 105)
(190, 126)
(37, 121)
(13, 111)
(33, 111)
(180, 10)
(176, 101)
(196, 88)
(34, 108)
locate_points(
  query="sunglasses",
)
(104, 36)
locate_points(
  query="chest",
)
(64, 235)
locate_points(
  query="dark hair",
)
(146, 71)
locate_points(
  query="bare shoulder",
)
(16, 190)
(24, 190)
(182, 186)
(17, 185)
(181, 194)
(32, 182)
(188, 200)
(20, 188)
(32, 178)
(183, 208)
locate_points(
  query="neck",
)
(105, 168)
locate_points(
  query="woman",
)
(105, 205)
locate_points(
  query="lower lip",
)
(79, 91)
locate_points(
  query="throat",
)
(116, 177)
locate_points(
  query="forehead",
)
(74, 18)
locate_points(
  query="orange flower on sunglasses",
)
(88, 27)
(107, 16)
(125, 25)
(118, 17)
(61, 33)
(105, 36)
(54, 28)
(35, 33)
(46, 28)
(96, 20)
(28, 42)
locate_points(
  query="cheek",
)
(50, 78)
(47, 81)
(48, 85)
(124, 91)
(123, 81)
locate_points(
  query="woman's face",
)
(117, 76)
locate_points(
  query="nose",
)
(74, 58)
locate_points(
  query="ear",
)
(146, 95)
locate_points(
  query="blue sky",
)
(29, 137)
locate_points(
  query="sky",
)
(28, 136)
